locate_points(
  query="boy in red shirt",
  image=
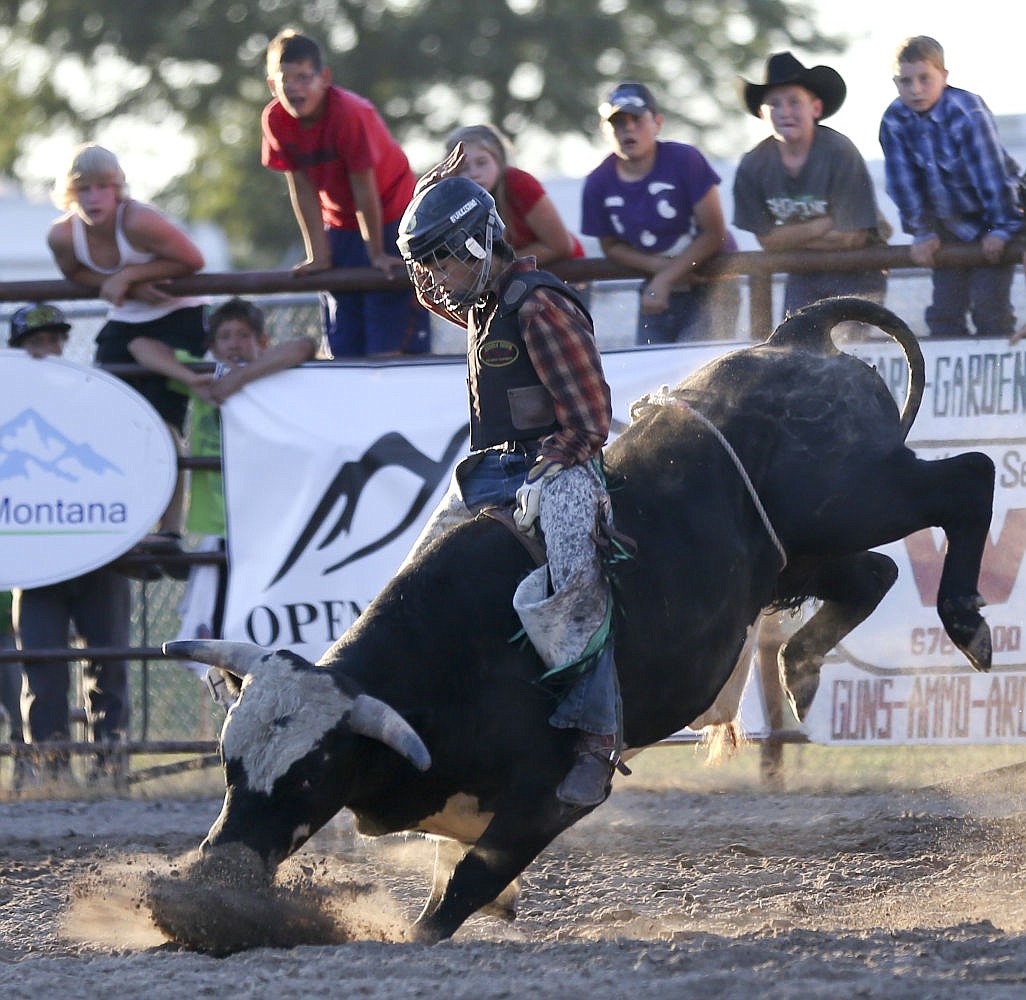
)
(350, 183)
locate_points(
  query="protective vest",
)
(507, 399)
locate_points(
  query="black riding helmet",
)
(452, 220)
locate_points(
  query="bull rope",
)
(665, 398)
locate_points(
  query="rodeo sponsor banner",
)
(331, 470)
(87, 466)
(898, 678)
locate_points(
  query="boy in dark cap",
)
(97, 604)
(806, 187)
(655, 206)
(41, 329)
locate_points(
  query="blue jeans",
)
(802, 290)
(985, 293)
(358, 324)
(10, 689)
(492, 478)
(705, 312)
(99, 605)
(592, 704)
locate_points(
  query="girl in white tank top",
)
(132, 310)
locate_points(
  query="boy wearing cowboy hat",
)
(806, 187)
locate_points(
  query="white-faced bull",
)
(425, 716)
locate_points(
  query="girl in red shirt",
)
(533, 224)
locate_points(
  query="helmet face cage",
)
(455, 272)
(446, 239)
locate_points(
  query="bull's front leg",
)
(513, 839)
(448, 854)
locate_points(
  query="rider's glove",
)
(529, 495)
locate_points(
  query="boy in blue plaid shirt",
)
(953, 183)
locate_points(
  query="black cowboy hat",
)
(783, 68)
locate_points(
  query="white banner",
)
(898, 678)
(855, 706)
(331, 470)
(87, 467)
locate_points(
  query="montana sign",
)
(87, 466)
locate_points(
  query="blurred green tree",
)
(535, 67)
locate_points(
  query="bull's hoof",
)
(799, 676)
(800, 690)
(504, 906)
(978, 649)
(426, 931)
(968, 630)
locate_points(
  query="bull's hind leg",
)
(898, 497)
(850, 588)
(961, 495)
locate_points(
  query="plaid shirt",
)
(947, 167)
(560, 340)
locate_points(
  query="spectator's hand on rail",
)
(993, 248)
(388, 264)
(115, 288)
(655, 296)
(150, 292)
(313, 265)
(923, 254)
(227, 385)
(201, 384)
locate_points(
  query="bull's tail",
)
(809, 329)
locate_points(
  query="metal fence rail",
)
(169, 701)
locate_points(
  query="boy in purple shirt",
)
(654, 206)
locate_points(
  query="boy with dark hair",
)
(654, 205)
(953, 183)
(349, 182)
(238, 341)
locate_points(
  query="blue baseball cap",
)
(634, 98)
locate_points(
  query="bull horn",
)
(373, 718)
(237, 658)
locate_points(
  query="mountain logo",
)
(87, 467)
(32, 446)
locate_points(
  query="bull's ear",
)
(237, 658)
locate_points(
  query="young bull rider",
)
(539, 415)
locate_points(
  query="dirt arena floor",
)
(689, 881)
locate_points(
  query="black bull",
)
(823, 444)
